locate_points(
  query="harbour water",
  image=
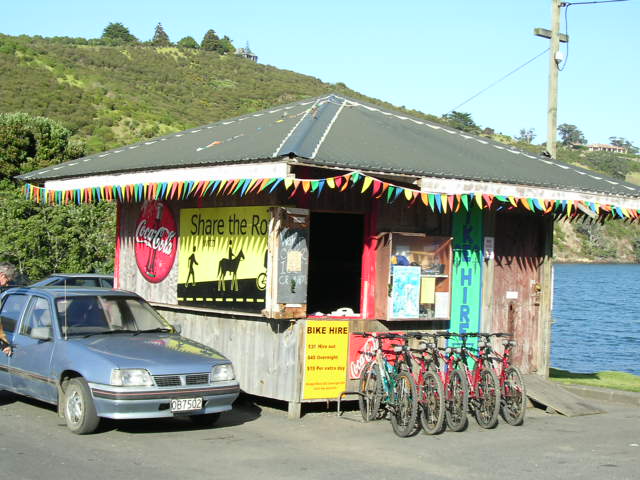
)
(596, 313)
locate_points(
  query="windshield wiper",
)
(108, 332)
(155, 330)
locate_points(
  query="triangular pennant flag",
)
(408, 194)
(321, 184)
(306, 186)
(390, 190)
(443, 202)
(488, 199)
(438, 202)
(275, 184)
(366, 184)
(478, 198)
(314, 185)
(355, 178)
(425, 199)
(331, 182)
(338, 181)
(450, 199)
(377, 185)
(239, 184)
(288, 182)
(465, 202)
(432, 201)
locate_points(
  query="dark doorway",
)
(335, 262)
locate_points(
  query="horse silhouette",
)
(231, 266)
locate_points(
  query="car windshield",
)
(89, 315)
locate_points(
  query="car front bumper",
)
(154, 402)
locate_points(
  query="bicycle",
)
(383, 383)
(484, 387)
(513, 394)
(431, 400)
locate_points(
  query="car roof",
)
(59, 291)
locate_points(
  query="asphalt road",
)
(257, 440)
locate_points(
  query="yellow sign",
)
(222, 257)
(325, 365)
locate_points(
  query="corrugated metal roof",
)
(343, 133)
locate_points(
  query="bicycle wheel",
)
(457, 398)
(371, 391)
(405, 405)
(432, 404)
(514, 397)
(487, 399)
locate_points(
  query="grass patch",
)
(615, 380)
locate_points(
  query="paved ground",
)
(257, 440)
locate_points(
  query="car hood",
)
(159, 353)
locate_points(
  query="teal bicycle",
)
(387, 388)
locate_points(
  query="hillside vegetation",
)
(97, 96)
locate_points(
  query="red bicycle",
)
(484, 386)
(513, 394)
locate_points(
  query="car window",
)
(106, 282)
(12, 309)
(95, 314)
(38, 315)
(81, 315)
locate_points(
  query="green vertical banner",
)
(466, 287)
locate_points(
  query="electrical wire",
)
(566, 23)
(497, 81)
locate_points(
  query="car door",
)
(31, 360)
(11, 311)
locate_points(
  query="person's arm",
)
(4, 342)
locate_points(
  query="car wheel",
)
(79, 410)
(205, 420)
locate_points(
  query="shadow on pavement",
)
(244, 410)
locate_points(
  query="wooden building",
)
(276, 235)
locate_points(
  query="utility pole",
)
(554, 61)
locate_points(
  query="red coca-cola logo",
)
(362, 350)
(156, 241)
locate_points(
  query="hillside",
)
(114, 95)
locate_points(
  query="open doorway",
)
(335, 262)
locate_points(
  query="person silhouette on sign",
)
(192, 273)
(230, 249)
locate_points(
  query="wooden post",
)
(546, 295)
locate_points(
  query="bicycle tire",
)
(487, 399)
(514, 397)
(405, 405)
(457, 401)
(432, 404)
(370, 389)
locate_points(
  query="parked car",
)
(77, 280)
(99, 352)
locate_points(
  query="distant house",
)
(602, 147)
(247, 53)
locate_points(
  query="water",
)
(596, 312)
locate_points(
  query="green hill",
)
(109, 96)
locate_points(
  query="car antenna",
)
(66, 307)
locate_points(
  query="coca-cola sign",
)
(362, 350)
(155, 241)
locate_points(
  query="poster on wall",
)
(405, 292)
(155, 241)
(325, 364)
(362, 350)
(223, 257)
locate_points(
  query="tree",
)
(526, 136)
(210, 41)
(624, 143)
(118, 33)
(225, 46)
(28, 143)
(188, 42)
(461, 121)
(160, 37)
(570, 135)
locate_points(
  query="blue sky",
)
(426, 55)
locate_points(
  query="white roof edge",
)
(217, 172)
(454, 186)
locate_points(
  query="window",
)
(39, 316)
(11, 312)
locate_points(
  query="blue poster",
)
(405, 292)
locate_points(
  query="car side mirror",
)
(41, 333)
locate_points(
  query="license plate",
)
(186, 404)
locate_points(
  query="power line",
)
(500, 79)
(565, 4)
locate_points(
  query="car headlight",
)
(221, 373)
(131, 377)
